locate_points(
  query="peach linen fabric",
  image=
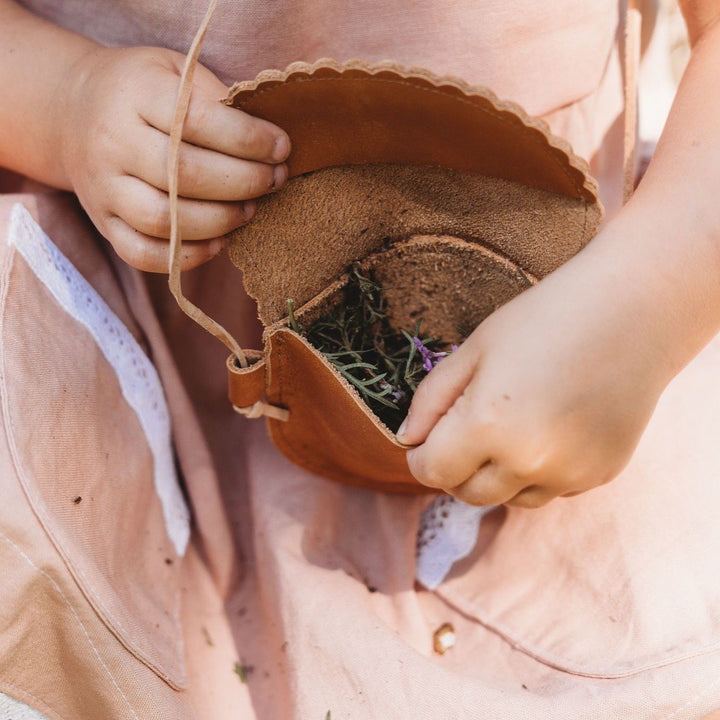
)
(606, 605)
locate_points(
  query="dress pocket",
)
(89, 434)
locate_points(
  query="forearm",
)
(664, 247)
(36, 66)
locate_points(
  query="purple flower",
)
(430, 358)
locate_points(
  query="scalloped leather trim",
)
(326, 68)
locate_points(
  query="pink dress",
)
(262, 592)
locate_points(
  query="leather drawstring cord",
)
(263, 409)
(631, 62)
(181, 109)
(260, 408)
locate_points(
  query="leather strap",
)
(631, 62)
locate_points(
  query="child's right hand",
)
(114, 114)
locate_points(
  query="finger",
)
(152, 254)
(436, 394)
(202, 174)
(490, 485)
(532, 497)
(212, 124)
(454, 449)
(147, 209)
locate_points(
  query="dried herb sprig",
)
(384, 365)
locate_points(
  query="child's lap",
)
(607, 604)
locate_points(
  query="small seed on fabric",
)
(444, 638)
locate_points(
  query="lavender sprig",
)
(430, 357)
(384, 365)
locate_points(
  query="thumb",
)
(436, 394)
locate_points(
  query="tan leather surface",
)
(246, 385)
(357, 113)
(330, 432)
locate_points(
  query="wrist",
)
(38, 60)
(70, 112)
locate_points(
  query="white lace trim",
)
(447, 533)
(138, 378)
(11, 709)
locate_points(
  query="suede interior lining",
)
(304, 237)
(449, 284)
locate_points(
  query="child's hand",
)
(548, 397)
(115, 116)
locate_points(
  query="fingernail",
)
(402, 429)
(280, 174)
(248, 208)
(281, 148)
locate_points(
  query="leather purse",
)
(455, 199)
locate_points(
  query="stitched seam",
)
(499, 115)
(87, 584)
(38, 500)
(473, 611)
(37, 505)
(59, 591)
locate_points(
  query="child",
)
(603, 605)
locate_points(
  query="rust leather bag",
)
(456, 200)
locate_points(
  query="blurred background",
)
(662, 67)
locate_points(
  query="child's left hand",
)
(550, 395)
